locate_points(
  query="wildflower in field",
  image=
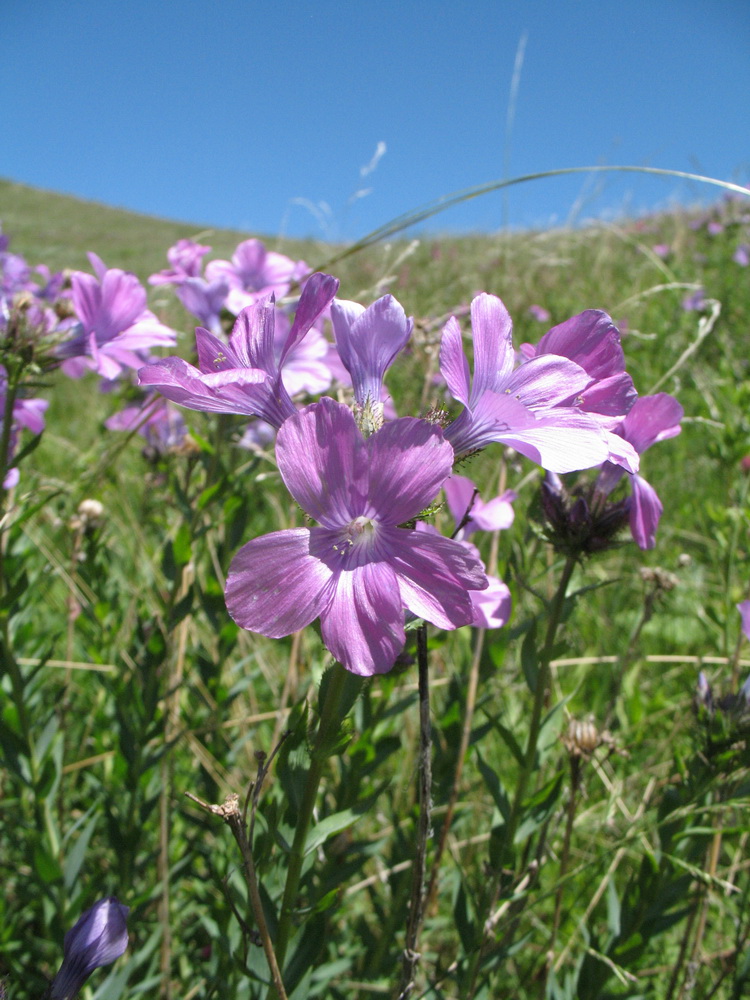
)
(696, 301)
(98, 938)
(156, 420)
(186, 258)
(652, 419)
(741, 255)
(493, 605)
(539, 313)
(28, 413)
(358, 571)
(243, 376)
(592, 341)
(744, 609)
(258, 436)
(114, 326)
(306, 364)
(368, 340)
(703, 698)
(254, 273)
(532, 408)
(205, 300)
(472, 513)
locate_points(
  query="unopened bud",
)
(98, 938)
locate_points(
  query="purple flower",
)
(592, 341)
(258, 436)
(253, 273)
(744, 609)
(306, 367)
(695, 301)
(714, 228)
(528, 408)
(662, 250)
(703, 697)
(156, 420)
(204, 299)
(368, 340)
(539, 313)
(28, 413)
(186, 258)
(741, 255)
(492, 515)
(652, 419)
(115, 326)
(359, 570)
(243, 376)
(98, 938)
(493, 605)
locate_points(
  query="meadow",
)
(588, 821)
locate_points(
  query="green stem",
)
(418, 897)
(540, 697)
(329, 721)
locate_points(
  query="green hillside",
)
(589, 831)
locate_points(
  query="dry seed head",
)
(89, 515)
(582, 737)
(661, 579)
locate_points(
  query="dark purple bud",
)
(98, 938)
(583, 522)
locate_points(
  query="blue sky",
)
(258, 115)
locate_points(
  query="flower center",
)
(355, 540)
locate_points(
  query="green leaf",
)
(539, 808)
(14, 591)
(329, 826)
(45, 865)
(74, 858)
(613, 909)
(182, 545)
(464, 918)
(494, 786)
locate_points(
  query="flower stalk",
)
(418, 894)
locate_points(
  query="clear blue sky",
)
(228, 113)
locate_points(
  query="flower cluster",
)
(375, 559)
(115, 328)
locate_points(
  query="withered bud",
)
(88, 516)
(582, 737)
(661, 579)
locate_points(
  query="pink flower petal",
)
(275, 586)
(364, 624)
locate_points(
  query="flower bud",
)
(98, 938)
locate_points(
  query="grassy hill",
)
(125, 684)
(58, 230)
